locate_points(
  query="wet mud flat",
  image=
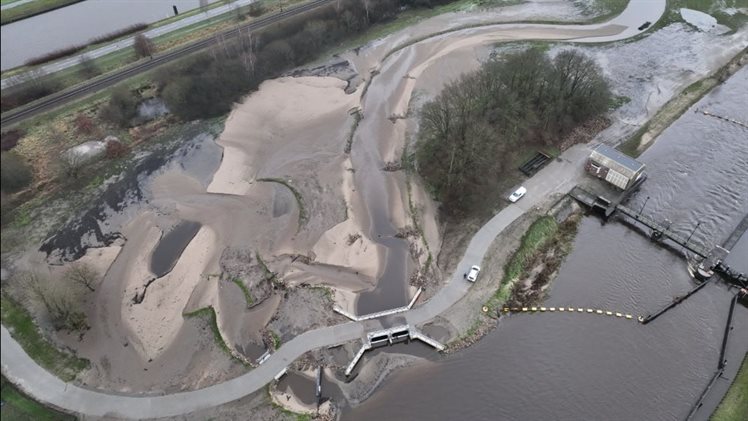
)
(100, 224)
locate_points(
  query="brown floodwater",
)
(300, 386)
(577, 366)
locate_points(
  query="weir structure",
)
(713, 262)
(390, 336)
(379, 314)
(713, 259)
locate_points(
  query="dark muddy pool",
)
(170, 247)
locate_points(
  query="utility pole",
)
(692, 232)
(645, 204)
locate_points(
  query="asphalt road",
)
(95, 85)
(74, 60)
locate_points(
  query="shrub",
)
(121, 108)
(88, 68)
(84, 124)
(209, 93)
(33, 87)
(54, 55)
(63, 307)
(115, 149)
(118, 33)
(15, 174)
(143, 46)
(257, 9)
(9, 139)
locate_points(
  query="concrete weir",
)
(379, 313)
(390, 336)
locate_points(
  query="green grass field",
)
(734, 406)
(18, 407)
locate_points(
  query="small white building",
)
(614, 167)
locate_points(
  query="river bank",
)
(527, 272)
(735, 401)
(33, 8)
(615, 269)
(642, 139)
(235, 177)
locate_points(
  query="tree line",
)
(471, 132)
(207, 84)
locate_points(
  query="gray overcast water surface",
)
(580, 366)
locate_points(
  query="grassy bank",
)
(540, 233)
(247, 295)
(296, 194)
(734, 405)
(33, 8)
(673, 109)
(16, 406)
(536, 259)
(27, 334)
(209, 314)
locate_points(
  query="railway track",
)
(55, 100)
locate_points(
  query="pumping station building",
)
(614, 167)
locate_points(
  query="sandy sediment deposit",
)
(291, 130)
(292, 207)
(157, 319)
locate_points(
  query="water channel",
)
(576, 366)
(77, 24)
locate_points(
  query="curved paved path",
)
(559, 176)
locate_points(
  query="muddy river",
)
(577, 366)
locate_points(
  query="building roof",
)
(622, 159)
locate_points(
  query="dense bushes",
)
(14, 173)
(470, 132)
(54, 55)
(207, 85)
(10, 138)
(32, 88)
(121, 108)
(70, 50)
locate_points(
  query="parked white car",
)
(517, 194)
(472, 275)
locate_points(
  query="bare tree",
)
(249, 51)
(366, 8)
(59, 302)
(82, 274)
(143, 46)
(88, 68)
